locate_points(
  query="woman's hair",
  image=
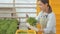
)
(46, 1)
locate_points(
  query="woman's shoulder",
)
(51, 15)
(40, 12)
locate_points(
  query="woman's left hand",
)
(41, 30)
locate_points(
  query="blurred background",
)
(19, 8)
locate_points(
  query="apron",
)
(43, 22)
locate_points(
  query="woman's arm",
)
(31, 27)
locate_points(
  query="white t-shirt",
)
(51, 23)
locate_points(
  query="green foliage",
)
(32, 21)
(8, 26)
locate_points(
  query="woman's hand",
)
(41, 30)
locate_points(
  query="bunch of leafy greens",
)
(32, 21)
(8, 26)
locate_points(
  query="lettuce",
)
(8, 26)
(32, 21)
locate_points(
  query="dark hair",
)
(46, 1)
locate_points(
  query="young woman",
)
(46, 18)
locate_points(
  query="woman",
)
(46, 18)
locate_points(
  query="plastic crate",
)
(25, 32)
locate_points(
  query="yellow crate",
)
(27, 31)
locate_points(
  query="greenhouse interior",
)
(15, 15)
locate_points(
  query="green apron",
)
(43, 23)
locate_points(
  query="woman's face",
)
(42, 5)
